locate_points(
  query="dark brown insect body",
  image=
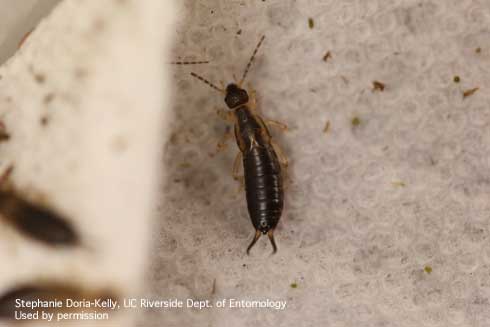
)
(263, 177)
(261, 166)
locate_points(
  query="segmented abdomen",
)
(263, 185)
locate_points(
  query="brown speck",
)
(378, 86)
(4, 135)
(327, 56)
(470, 92)
(185, 165)
(44, 120)
(48, 98)
(327, 127)
(80, 73)
(456, 79)
(311, 23)
(399, 184)
(213, 289)
(99, 24)
(356, 121)
(174, 138)
(40, 78)
(239, 32)
(428, 269)
(8, 99)
(119, 144)
(478, 50)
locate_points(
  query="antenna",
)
(207, 82)
(188, 62)
(251, 60)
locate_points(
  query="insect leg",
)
(236, 169)
(283, 127)
(222, 143)
(283, 159)
(225, 115)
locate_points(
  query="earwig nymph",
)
(262, 159)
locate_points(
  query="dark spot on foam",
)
(44, 121)
(40, 78)
(36, 221)
(81, 73)
(48, 98)
(4, 135)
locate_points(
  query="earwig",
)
(261, 158)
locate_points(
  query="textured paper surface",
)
(386, 220)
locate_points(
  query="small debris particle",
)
(294, 285)
(327, 56)
(98, 24)
(239, 32)
(356, 121)
(81, 73)
(378, 86)
(456, 79)
(470, 92)
(428, 269)
(399, 184)
(212, 11)
(48, 98)
(327, 127)
(213, 289)
(185, 165)
(478, 50)
(44, 120)
(40, 78)
(311, 23)
(4, 135)
(174, 137)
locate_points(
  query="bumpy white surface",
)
(368, 206)
(96, 157)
